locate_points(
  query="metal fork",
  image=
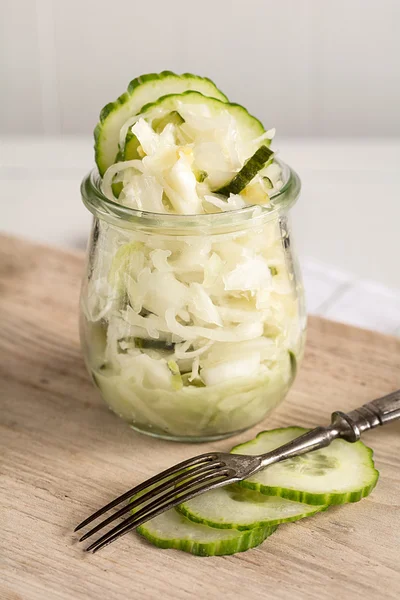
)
(215, 469)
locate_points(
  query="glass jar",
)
(192, 327)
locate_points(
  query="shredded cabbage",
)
(232, 203)
(159, 258)
(252, 273)
(244, 331)
(201, 305)
(150, 141)
(182, 351)
(144, 192)
(180, 185)
(116, 169)
(226, 371)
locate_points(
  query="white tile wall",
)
(356, 67)
(305, 66)
(20, 97)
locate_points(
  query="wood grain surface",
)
(64, 454)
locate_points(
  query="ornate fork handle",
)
(348, 426)
(370, 415)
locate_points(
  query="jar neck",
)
(128, 218)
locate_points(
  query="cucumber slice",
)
(268, 183)
(343, 472)
(174, 117)
(154, 344)
(131, 148)
(249, 127)
(233, 507)
(141, 91)
(173, 530)
(249, 170)
(117, 188)
(293, 365)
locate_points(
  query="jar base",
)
(195, 439)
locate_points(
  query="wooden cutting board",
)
(64, 454)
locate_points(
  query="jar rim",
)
(122, 216)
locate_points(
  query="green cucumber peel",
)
(268, 183)
(151, 344)
(293, 365)
(131, 148)
(249, 170)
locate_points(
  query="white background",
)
(326, 73)
(307, 67)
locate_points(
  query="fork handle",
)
(348, 426)
(378, 412)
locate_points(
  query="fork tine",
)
(214, 479)
(142, 486)
(199, 470)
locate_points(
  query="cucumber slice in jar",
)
(172, 530)
(188, 113)
(293, 365)
(141, 91)
(233, 507)
(340, 473)
(174, 118)
(249, 127)
(249, 170)
(131, 149)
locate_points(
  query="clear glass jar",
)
(192, 327)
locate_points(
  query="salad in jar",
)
(192, 314)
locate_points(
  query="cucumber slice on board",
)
(340, 473)
(249, 170)
(173, 530)
(141, 91)
(233, 507)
